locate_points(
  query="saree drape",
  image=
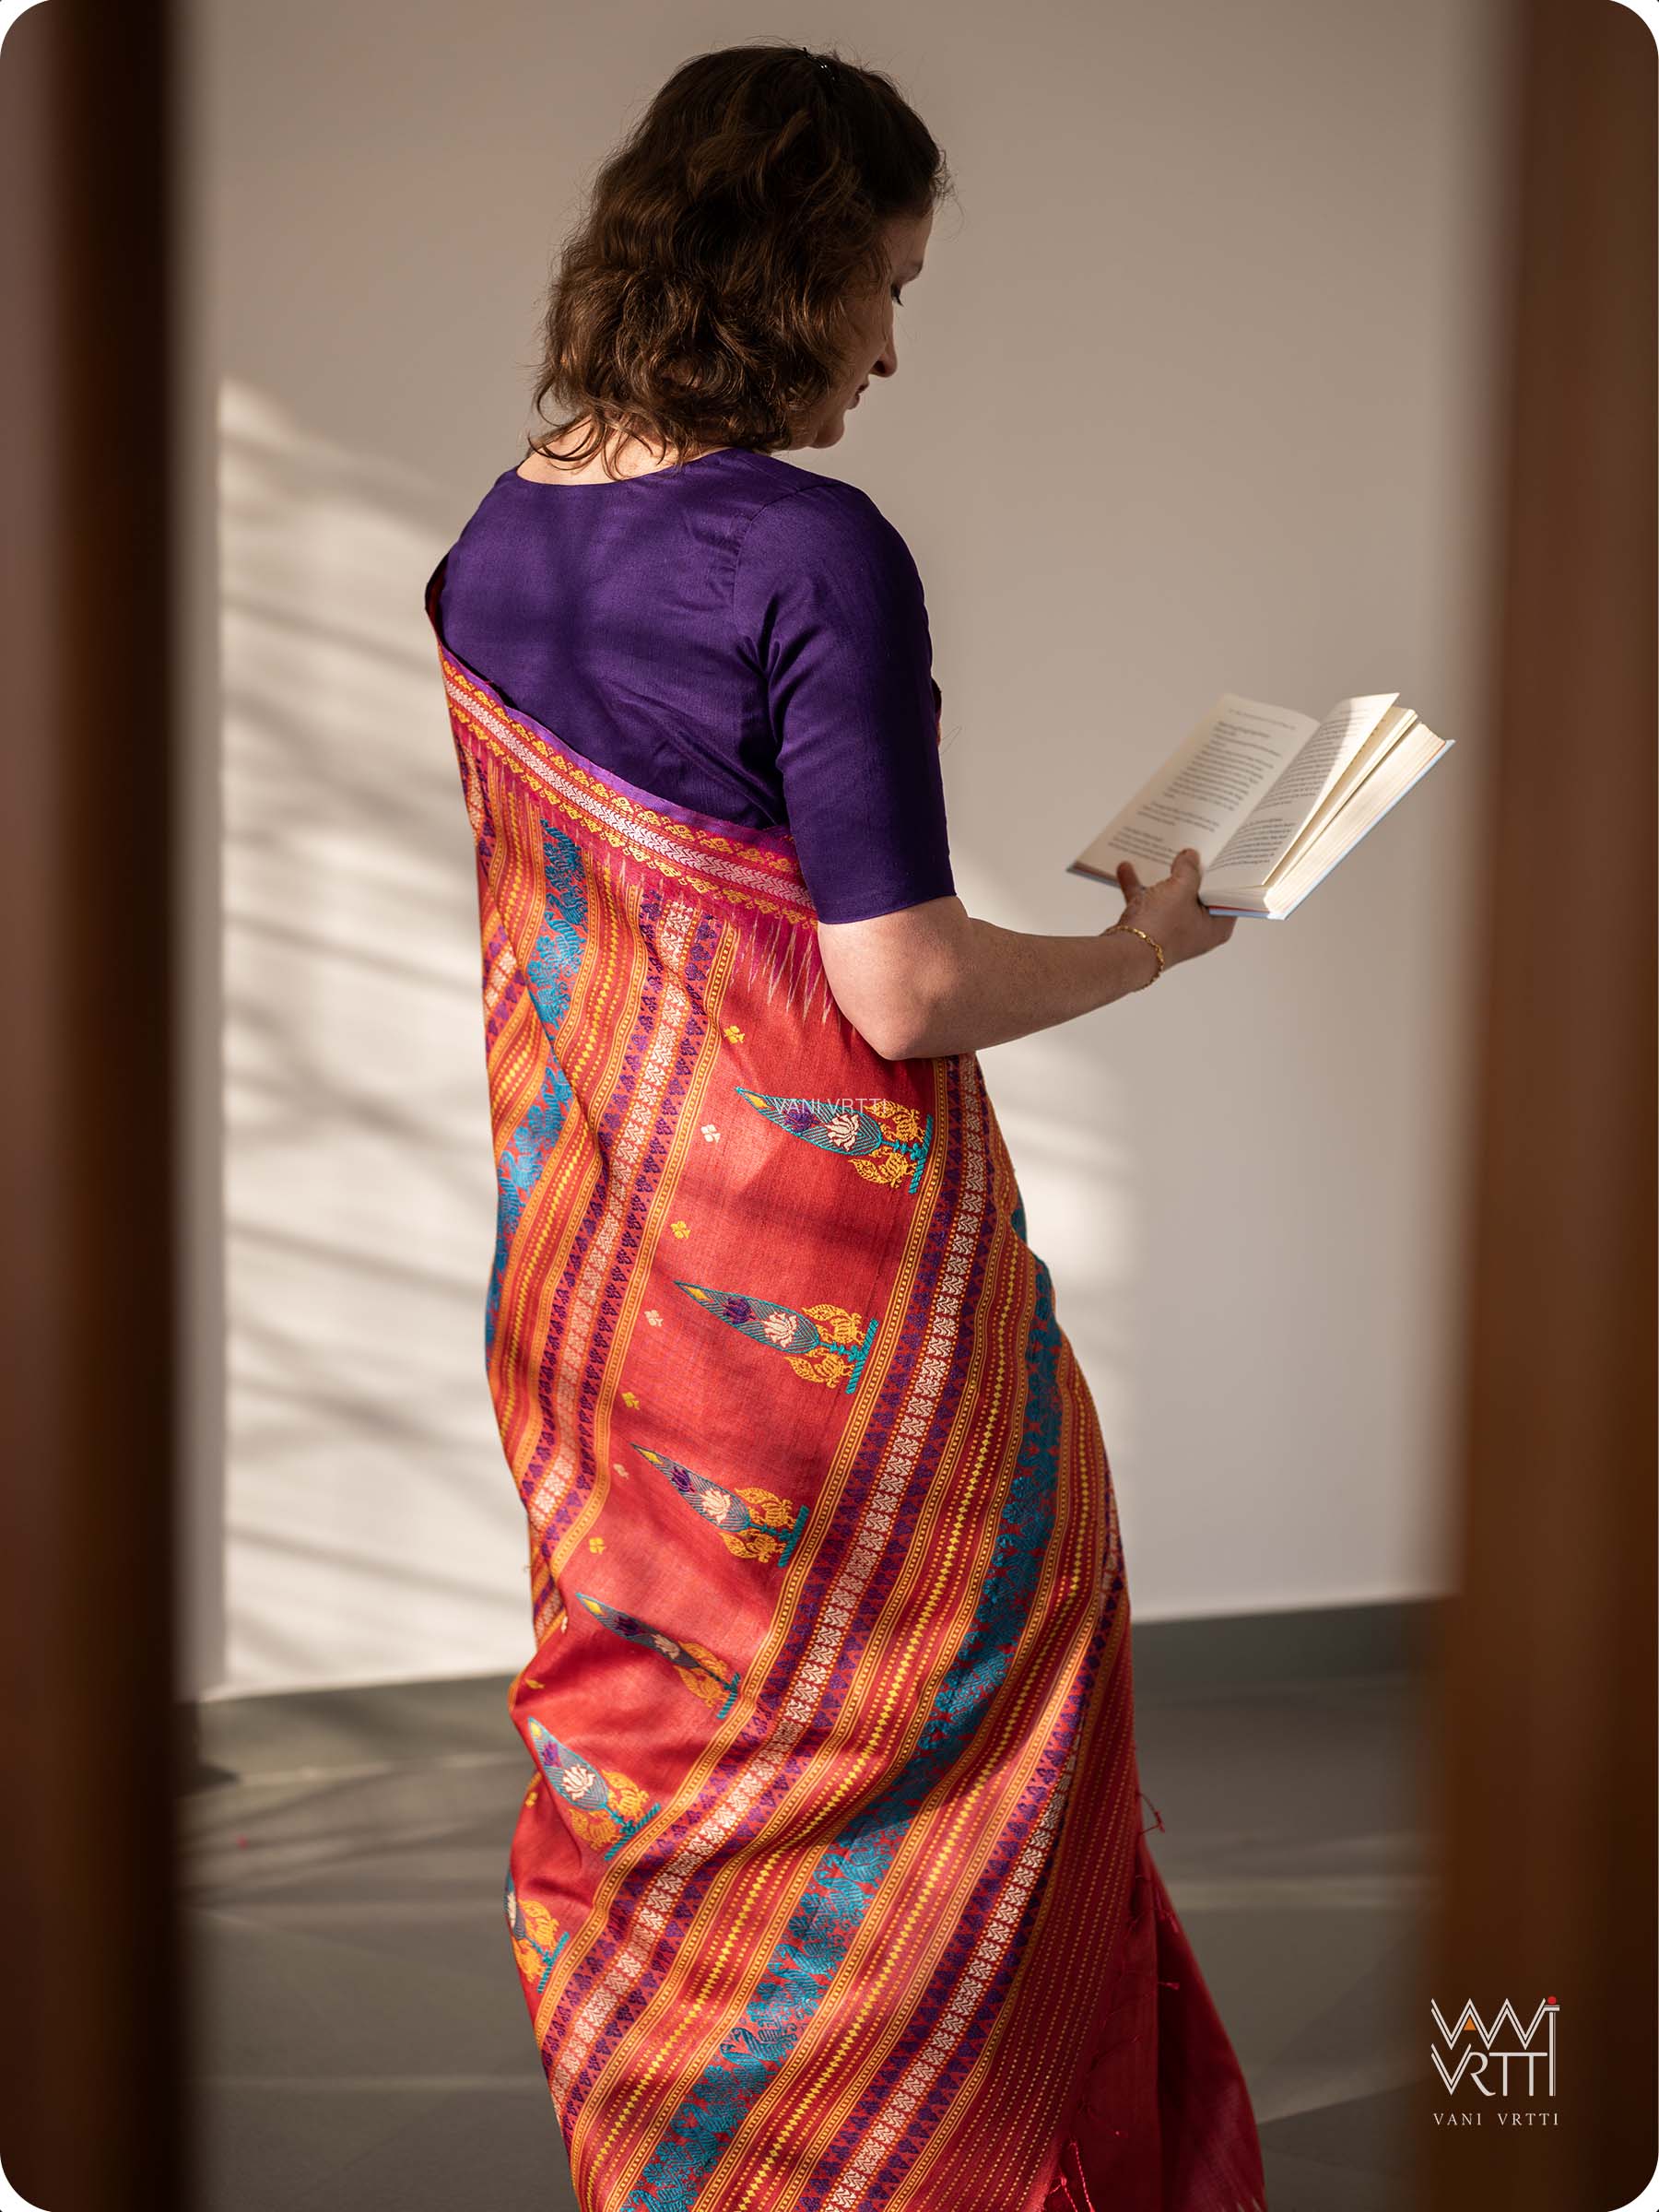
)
(829, 1890)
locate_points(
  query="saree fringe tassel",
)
(829, 1888)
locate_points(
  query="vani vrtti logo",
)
(1495, 2070)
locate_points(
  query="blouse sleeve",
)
(827, 599)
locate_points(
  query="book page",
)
(1204, 791)
(1370, 755)
(1261, 842)
(1416, 751)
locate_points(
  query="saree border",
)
(742, 863)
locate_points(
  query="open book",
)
(1271, 799)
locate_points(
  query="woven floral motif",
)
(885, 1142)
(823, 1343)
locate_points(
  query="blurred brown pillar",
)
(1546, 1773)
(89, 2095)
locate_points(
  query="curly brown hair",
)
(703, 298)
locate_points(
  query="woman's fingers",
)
(1186, 863)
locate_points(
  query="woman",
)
(829, 1890)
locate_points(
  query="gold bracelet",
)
(1157, 947)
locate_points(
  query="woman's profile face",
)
(872, 351)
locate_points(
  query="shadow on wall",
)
(372, 1528)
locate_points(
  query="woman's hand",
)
(1168, 909)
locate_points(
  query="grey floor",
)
(361, 2040)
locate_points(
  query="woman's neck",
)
(628, 457)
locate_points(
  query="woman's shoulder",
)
(805, 517)
(778, 481)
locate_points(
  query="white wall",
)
(1196, 395)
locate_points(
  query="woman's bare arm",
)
(933, 979)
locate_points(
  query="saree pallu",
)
(829, 1890)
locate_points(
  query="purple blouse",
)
(737, 636)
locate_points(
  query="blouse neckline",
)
(644, 476)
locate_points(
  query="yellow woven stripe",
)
(937, 1845)
(589, 1276)
(567, 1178)
(514, 1068)
(768, 1759)
(1098, 1777)
(854, 1759)
(706, 1988)
(637, 1283)
(604, 1009)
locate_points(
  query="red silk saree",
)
(829, 1890)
